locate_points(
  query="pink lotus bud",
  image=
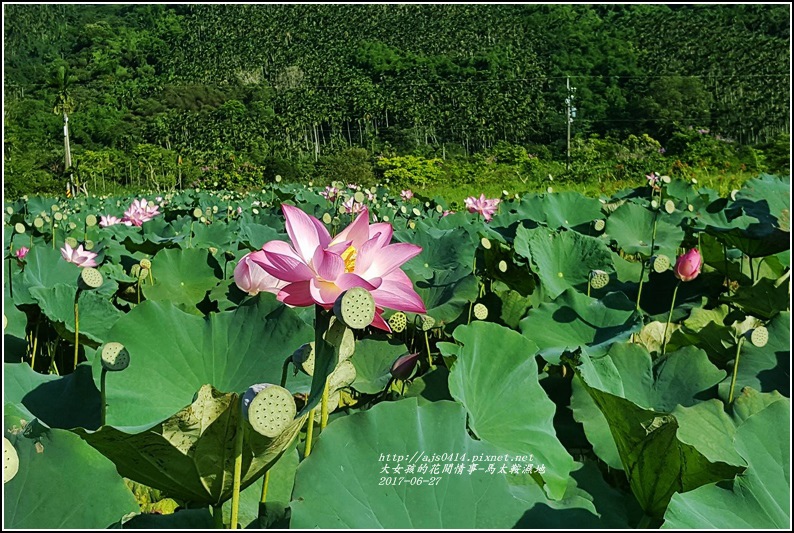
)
(687, 266)
(22, 252)
(404, 366)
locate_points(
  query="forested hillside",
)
(221, 96)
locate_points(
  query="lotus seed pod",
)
(90, 278)
(359, 197)
(759, 336)
(385, 218)
(428, 322)
(502, 266)
(19, 227)
(669, 207)
(355, 308)
(71, 241)
(599, 224)
(229, 255)
(403, 210)
(213, 250)
(660, 263)
(214, 209)
(135, 270)
(480, 311)
(10, 461)
(334, 400)
(143, 273)
(278, 178)
(327, 218)
(38, 223)
(198, 213)
(599, 279)
(342, 210)
(203, 220)
(416, 212)
(255, 211)
(88, 244)
(58, 216)
(90, 220)
(665, 179)
(439, 208)
(5, 321)
(691, 208)
(549, 190)
(72, 226)
(485, 243)
(412, 224)
(145, 263)
(694, 181)
(342, 337)
(343, 375)
(271, 411)
(398, 321)
(250, 394)
(10, 210)
(654, 204)
(115, 357)
(733, 194)
(303, 358)
(55, 207)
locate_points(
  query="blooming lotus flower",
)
(250, 277)
(139, 212)
(318, 268)
(653, 179)
(351, 206)
(406, 195)
(78, 256)
(483, 206)
(22, 252)
(687, 266)
(447, 212)
(353, 186)
(330, 193)
(371, 196)
(108, 220)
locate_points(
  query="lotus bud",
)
(687, 266)
(404, 366)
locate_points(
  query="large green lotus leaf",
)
(255, 235)
(442, 250)
(430, 387)
(563, 260)
(629, 372)
(15, 345)
(495, 377)
(190, 455)
(182, 276)
(447, 293)
(560, 210)
(348, 455)
(373, 360)
(631, 228)
(217, 234)
(758, 499)
(766, 369)
(62, 402)
(44, 268)
(279, 490)
(62, 482)
(656, 461)
(715, 330)
(174, 353)
(765, 299)
(574, 321)
(96, 314)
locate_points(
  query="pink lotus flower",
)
(318, 269)
(108, 220)
(653, 179)
(351, 206)
(252, 278)
(483, 206)
(371, 196)
(139, 212)
(22, 252)
(687, 266)
(447, 212)
(330, 193)
(78, 256)
(353, 187)
(407, 195)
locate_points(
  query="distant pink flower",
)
(78, 256)
(318, 268)
(407, 194)
(483, 206)
(330, 193)
(353, 187)
(351, 206)
(653, 179)
(22, 252)
(687, 266)
(252, 278)
(447, 212)
(108, 220)
(371, 196)
(140, 211)
(239, 209)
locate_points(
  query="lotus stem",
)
(10, 273)
(35, 346)
(138, 290)
(669, 318)
(285, 371)
(752, 272)
(735, 368)
(238, 468)
(727, 272)
(102, 397)
(588, 286)
(190, 237)
(309, 431)
(217, 515)
(429, 357)
(265, 483)
(639, 292)
(324, 406)
(76, 330)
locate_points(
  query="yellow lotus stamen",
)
(349, 257)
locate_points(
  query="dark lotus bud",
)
(404, 366)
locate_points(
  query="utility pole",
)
(570, 114)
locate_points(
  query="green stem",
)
(588, 286)
(309, 432)
(238, 468)
(735, 368)
(727, 272)
(427, 344)
(103, 397)
(285, 371)
(669, 318)
(265, 483)
(752, 272)
(217, 515)
(10, 277)
(324, 406)
(76, 330)
(642, 280)
(35, 346)
(645, 522)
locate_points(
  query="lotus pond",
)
(340, 358)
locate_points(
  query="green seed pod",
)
(385, 218)
(599, 224)
(303, 358)
(55, 208)
(342, 376)
(660, 263)
(135, 270)
(38, 222)
(428, 322)
(654, 204)
(398, 322)
(271, 411)
(198, 213)
(229, 255)
(342, 210)
(669, 207)
(327, 218)
(213, 250)
(71, 241)
(480, 311)
(90, 278)
(665, 179)
(214, 209)
(416, 212)
(88, 244)
(145, 263)
(342, 337)
(143, 273)
(759, 336)
(439, 208)
(19, 227)
(10, 210)
(90, 221)
(58, 216)
(502, 266)
(10, 461)
(403, 210)
(359, 197)
(485, 243)
(278, 178)
(412, 224)
(115, 357)
(598, 279)
(5, 321)
(72, 226)
(355, 308)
